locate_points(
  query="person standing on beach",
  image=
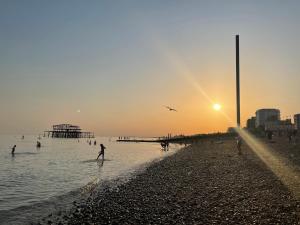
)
(102, 148)
(13, 150)
(239, 144)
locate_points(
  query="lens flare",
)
(285, 171)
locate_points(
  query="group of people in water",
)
(38, 145)
(13, 149)
(165, 145)
(90, 142)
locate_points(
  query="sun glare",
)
(217, 106)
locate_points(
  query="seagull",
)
(171, 109)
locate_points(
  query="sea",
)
(37, 181)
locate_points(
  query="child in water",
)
(101, 151)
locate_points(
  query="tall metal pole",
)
(237, 68)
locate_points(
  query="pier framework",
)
(68, 131)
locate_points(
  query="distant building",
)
(297, 121)
(280, 126)
(251, 123)
(266, 115)
(231, 130)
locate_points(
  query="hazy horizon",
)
(111, 66)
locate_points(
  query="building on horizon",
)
(266, 115)
(251, 123)
(297, 121)
(231, 130)
(281, 126)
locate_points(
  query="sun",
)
(217, 106)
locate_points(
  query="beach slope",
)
(205, 183)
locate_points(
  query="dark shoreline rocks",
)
(206, 183)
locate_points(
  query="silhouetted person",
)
(102, 148)
(90, 143)
(38, 144)
(290, 136)
(270, 135)
(164, 145)
(13, 150)
(95, 142)
(239, 144)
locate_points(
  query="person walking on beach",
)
(95, 142)
(13, 150)
(102, 148)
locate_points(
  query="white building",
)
(297, 121)
(280, 126)
(264, 115)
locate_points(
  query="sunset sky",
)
(111, 66)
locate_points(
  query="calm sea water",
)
(34, 180)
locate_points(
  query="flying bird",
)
(171, 109)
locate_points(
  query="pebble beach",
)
(204, 183)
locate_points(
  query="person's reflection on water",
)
(100, 162)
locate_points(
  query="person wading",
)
(102, 148)
(13, 150)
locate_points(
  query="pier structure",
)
(68, 131)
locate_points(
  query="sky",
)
(112, 66)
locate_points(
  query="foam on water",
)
(35, 181)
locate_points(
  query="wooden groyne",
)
(182, 139)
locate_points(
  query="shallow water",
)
(60, 167)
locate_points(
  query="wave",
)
(95, 160)
(26, 153)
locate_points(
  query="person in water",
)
(13, 150)
(165, 145)
(38, 144)
(102, 147)
(95, 142)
